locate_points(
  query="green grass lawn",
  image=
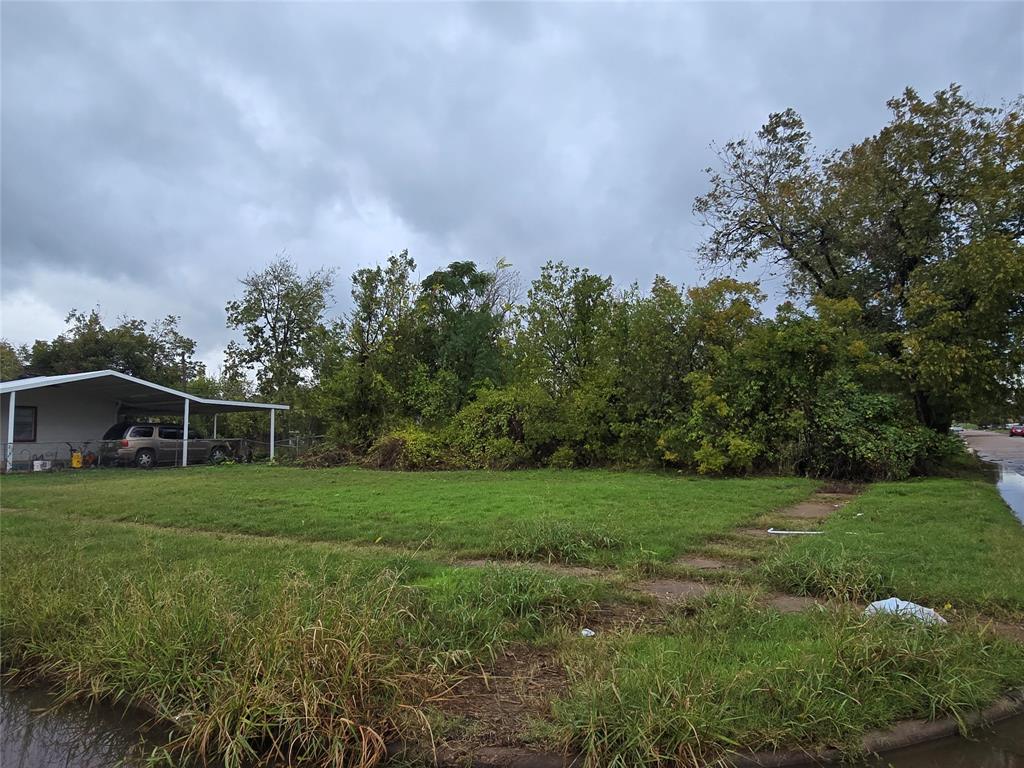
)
(253, 645)
(933, 541)
(594, 517)
(304, 643)
(731, 675)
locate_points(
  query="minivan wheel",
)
(145, 459)
(217, 455)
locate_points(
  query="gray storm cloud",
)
(154, 153)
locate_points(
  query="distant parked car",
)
(1017, 430)
(956, 430)
(147, 445)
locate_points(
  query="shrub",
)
(505, 453)
(407, 449)
(564, 457)
(857, 434)
(322, 456)
(504, 428)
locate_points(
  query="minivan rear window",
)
(116, 432)
(141, 432)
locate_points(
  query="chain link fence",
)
(109, 454)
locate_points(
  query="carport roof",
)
(134, 395)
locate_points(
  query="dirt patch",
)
(516, 757)
(1013, 632)
(675, 590)
(705, 563)
(497, 704)
(792, 603)
(756, 533)
(618, 617)
(809, 510)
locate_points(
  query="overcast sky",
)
(154, 153)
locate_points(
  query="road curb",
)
(905, 733)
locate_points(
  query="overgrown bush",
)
(407, 449)
(797, 394)
(563, 457)
(505, 428)
(857, 434)
(322, 456)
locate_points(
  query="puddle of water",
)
(1000, 746)
(33, 735)
(1011, 488)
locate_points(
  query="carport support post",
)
(9, 459)
(184, 438)
(215, 426)
(272, 413)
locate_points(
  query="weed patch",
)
(320, 662)
(729, 676)
(835, 574)
(554, 540)
(933, 541)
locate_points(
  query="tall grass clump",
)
(833, 574)
(319, 669)
(733, 678)
(553, 540)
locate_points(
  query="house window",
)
(24, 423)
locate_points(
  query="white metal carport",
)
(127, 396)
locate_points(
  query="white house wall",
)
(62, 416)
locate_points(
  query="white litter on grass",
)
(775, 532)
(904, 608)
(587, 632)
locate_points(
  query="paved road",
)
(998, 447)
(1008, 452)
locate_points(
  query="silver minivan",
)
(147, 445)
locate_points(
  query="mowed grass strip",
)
(730, 677)
(934, 541)
(261, 651)
(593, 517)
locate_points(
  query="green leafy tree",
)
(12, 361)
(566, 317)
(159, 353)
(281, 315)
(174, 356)
(462, 311)
(371, 362)
(921, 225)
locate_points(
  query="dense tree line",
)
(157, 351)
(904, 257)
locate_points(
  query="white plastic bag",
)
(904, 608)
